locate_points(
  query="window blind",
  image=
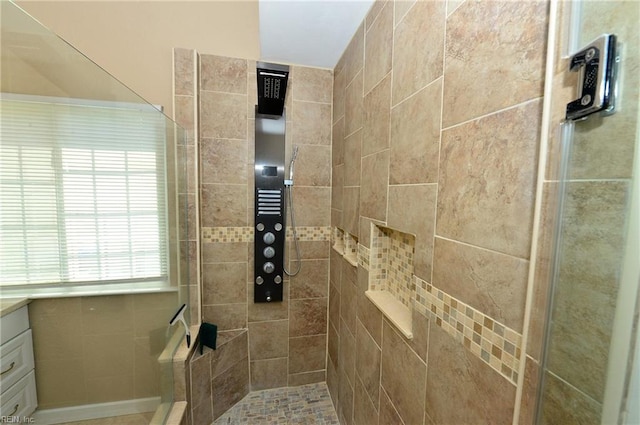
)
(82, 193)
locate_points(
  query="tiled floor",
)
(307, 404)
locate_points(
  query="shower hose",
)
(289, 195)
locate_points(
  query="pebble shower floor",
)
(306, 404)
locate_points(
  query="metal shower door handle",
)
(597, 65)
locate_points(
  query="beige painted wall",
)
(134, 40)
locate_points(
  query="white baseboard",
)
(96, 411)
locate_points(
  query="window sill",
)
(87, 290)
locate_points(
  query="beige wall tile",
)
(337, 182)
(587, 283)
(374, 188)
(312, 84)
(403, 376)
(401, 9)
(311, 168)
(337, 143)
(375, 9)
(493, 283)
(223, 115)
(562, 403)
(311, 123)
(333, 384)
(224, 283)
(307, 378)
(529, 391)
(363, 409)
(312, 205)
(183, 71)
(412, 210)
(334, 306)
(312, 281)
(223, 74)
(487, 397)
(229, 353)
(543, 271)
(487, 180)
(354, 55)
(353, 105)
(348, 299)
(226, 316)
(351, 212)
(307, 353)
(268, 340)
(368, 358)
(230, 387)
(215, 252)
(223, 205)
(333, 344)
(417, 56)
(388, 413)
(345, 401)
(352, 159)
(378, 48)
(339, 85)
(259, 312)
(184, 111)
(266, 374)
(223, 161)
(308, 317)
(415, 137)
(377, 106)
(368, 314)
(518, 31)
(347, 354)
(311, 250)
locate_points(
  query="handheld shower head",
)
(294, 155)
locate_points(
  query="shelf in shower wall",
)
(394, 310)
(391, 284)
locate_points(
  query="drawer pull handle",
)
(10, 367)
(15, 409)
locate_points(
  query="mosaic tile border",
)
(494, 343)
(245, 234)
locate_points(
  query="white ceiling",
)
(308, 32)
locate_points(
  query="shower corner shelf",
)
(394, 310)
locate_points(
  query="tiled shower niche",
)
(391, 285)
(346, 245)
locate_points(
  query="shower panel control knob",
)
(269, 238)
(268, 267)
(269, 252)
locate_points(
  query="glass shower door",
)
(590, 332)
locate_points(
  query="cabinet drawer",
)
(20, 399)
(16, 360)
(14, 323)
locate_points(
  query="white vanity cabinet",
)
(17, 375)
